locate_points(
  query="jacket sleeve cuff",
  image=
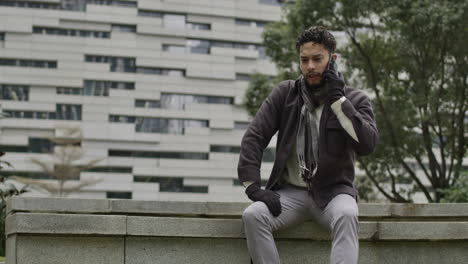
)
(247, 183)
(344, 120)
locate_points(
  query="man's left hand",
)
(335, 85)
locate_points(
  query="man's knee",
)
(256, 212)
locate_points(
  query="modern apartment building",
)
(156, 87)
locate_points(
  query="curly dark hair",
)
(318, 35)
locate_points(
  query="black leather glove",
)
(270, 198)
(335, 85)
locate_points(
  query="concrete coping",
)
(453, 211)
(153, 226)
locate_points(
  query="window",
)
(121, 119)
(14, 148)
(112, 3)
(26, 174)
(30, 4)
(174, 21)
(270, 2)
(158, 155)
(70, 90)
(225, 149)
(101, 88)
(171, 184)
(147, 103)
(28, 63)
(222, 44)
(149, 13)
(96, 88)
(174, 48)
(198, 26)
(160, 71)
(14, 92)
(178, 101)
(71, 32)
(110, 169)
(199, 46)
(2, 36)
(243, 77)
(29, 114)
(117, 64)
(166, 126)
(41, 145)
(124, 28)
(119, 195)
(68, 112)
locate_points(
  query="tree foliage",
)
(412, 58)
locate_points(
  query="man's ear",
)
(334, 56)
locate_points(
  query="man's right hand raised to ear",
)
(270, 198)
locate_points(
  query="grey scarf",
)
(307, 133)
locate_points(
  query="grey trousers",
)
(340, 217)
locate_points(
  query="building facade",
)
(155, 87)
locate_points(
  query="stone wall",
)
(77, 231)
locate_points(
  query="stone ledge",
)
(215, 209)
(106, 225)
(33, 223)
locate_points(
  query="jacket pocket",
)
(335, 138)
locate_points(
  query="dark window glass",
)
(68, 112)
(71, 32)
(171, 184)
(199, 46)
(28, 63)
(111, 169)
(13, 148)
(160, 71)
(124, 3)
(225, 149)
(222, 44)
(30, 4)
(41, 145)
(9, 62)
(69, 90)
(270, 2)
(2, 36)
(149, 13)
(243, 77)
(14, 92)
(124, 28)
(166, 126)
(179, 101)
(147, 103)
(121, 119)
(199, 26)
(174, 48)
(26, 174)
(118, 195)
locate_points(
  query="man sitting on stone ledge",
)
(322, 124)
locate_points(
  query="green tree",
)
(412, 57)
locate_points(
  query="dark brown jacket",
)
(337, 150)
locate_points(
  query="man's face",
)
(314, 60)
